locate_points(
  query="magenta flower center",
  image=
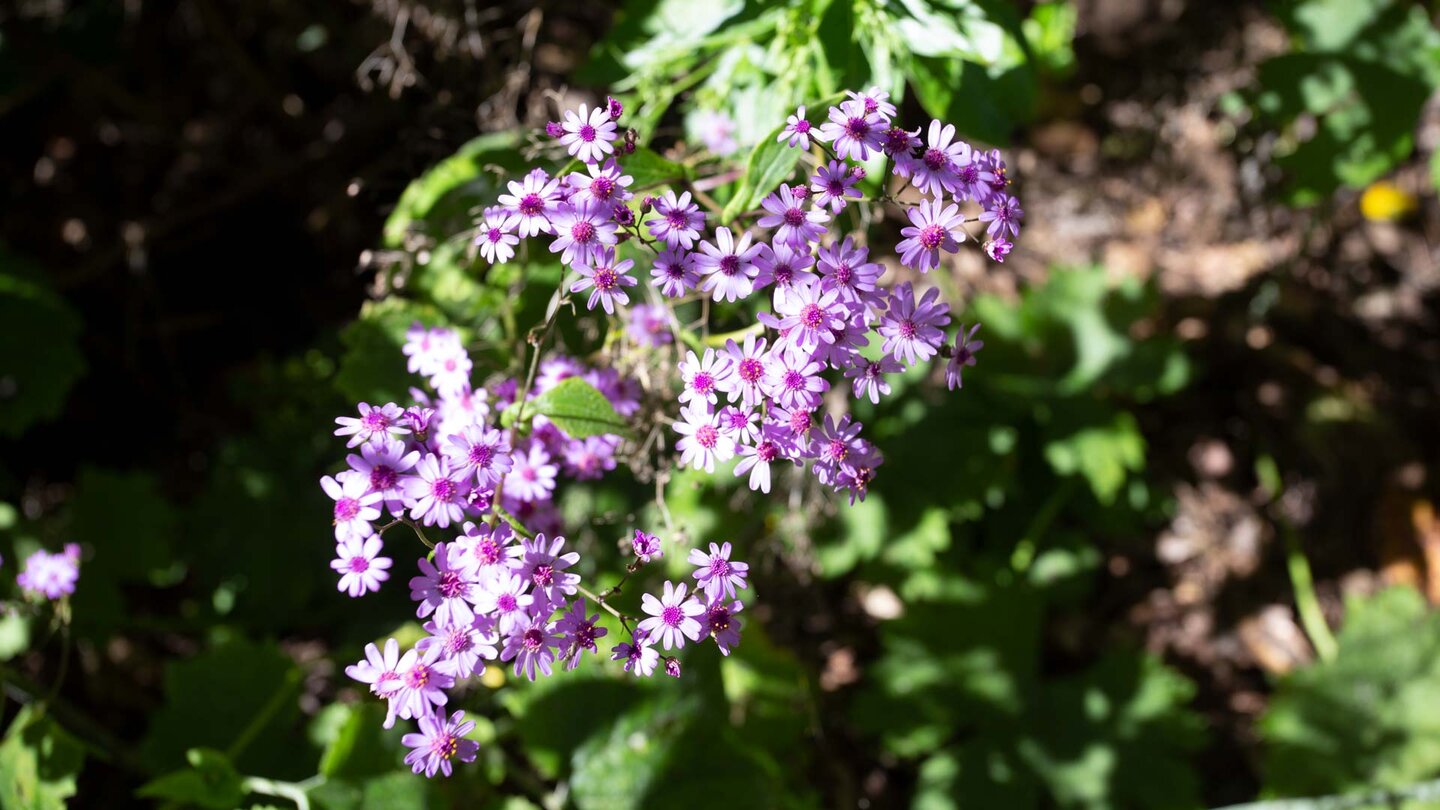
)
(529, 473)
(872, 371)
(932, 236)
(857, 128)
(730, 265)
(907, 329)
(584, 635)
(481, 455)
(835, 188)
(382, 477)
(719, 567)
(719, 620)
(969, 173)
(671, 615)
(812, 316)
(794, 380)
(458, 641)
(418, 676)
(582, 231)
(493, 235)
(837, 450)
(794, 216)
(346, 509)
(843, 275)
(766, 452)
(935, 159)
(802, 126)
(800, 422)
(737, 419)
(445, 746)
(375, 421)
(605, 279)
(677, 219)
(602, 187)
(543, 575)
(702, 382)
(531, 205)
(359, 565)
(783, 273)
(451, 585)
(507, 602)
(751, 370)
(533, 639)
(587, 133)
(443, 489)
(487, 551)
(707, 436)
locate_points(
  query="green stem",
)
(1311, 617)
(297, 792)
(265, 715)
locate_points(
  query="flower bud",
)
(614, 107)
(553, 129)
(672, 667)
(646, 203)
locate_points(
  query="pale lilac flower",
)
(358, 565)
(532, 643)
(784, 267)
(795, 382)
(844, 269)
(674, 272)
(579, 632)
(463, 647)
(438, 742)
(740, 423)
(935, 172)
(875, 101)
(963, 355)
(793, 224)
(834, 185)
(381, 463)
(555, 370)
(582, 231)
(380, 671)
(704, 376)
(51, 575)
(852, 131)
(797, 130)
(747, 363)
(445, 588)
(672, 616)
(590, 458)
(451, 373)
(355, 504)
(604, 185)
(437, 492)
(1004, 214)
(422, 686)
(677, 222)
(493, 237)
(640, 658)
(373, 424)
(898, 143)
(483, 548)
(934, 227)
(423, 343)
(531, 476)
(912, 332)
(646, 546)
(588, 136)
(998, 248)
(649, 325)
(606, 279)
(809, 315)
(503, 595)
(729, 265)
(544, 566)
(531, 203)
(756, 460)
(479, 451)
(717, 132)
(716, 573)
(702, 442)
(869, 377)
(835, 447)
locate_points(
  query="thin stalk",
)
(1311, 617)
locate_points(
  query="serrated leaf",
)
(210, 782)
(38, 763)
(579, 409)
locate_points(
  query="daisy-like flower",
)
(834, 185)
(835, 447)
(582, 231)
(716, 574)
(580, 633)
(355, 504)
(463, 647)
(722, 625)
(437, 492)
(740, 423)
(445, 587)
(899, 143)
(640, 659)
(672, 616)
(605, 278)
(783, 267)
(646, 546)
(729, 265)
(381, 463)
(876, 101)
(544, 566)
(379, 670)
(555, 370)
(451, 373)
(809, 316)
(531, 476)
(604, 185)
(588, 459)
(747, 362)
(438, 743)
(493, 237)
(589, 135)
(51, 575)
(912, 331)
(482, 548)
(852, 131)
(793, 224)
(702, 442)
(373, 424)
(998, 248)
(360, 568)
(844, 269)
(962, 356)
(531, 203)
(479, 451)
(1004, 214)
(797, 130)
(674, 272)
(869, 377)
(503, 595)
(934, 227)
(421, 686)
(794, 382)
(532, 644)
(677, 221)
(935, 172)
(756, 460)
(648, 325)
(704, 376)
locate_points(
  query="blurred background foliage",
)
(1211, 372)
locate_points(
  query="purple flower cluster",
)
(680, 614)
(51, 576)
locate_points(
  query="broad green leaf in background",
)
(579, 409)
(40, 356)
(769, 164)
(210, 782)
(1103, 453)
(443, 196)
(373, 367)
(38, 763)
(649, 169)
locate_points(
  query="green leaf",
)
(447, 192)
(649, 169)
(579, 409)
(373, 367)
(40, 357)
(133, 547)
(39, 762)
(962, 93)
(769, 164)
(1103, 453)
(210, 781)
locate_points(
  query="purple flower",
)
(729, 265)
(677, 222)
(604, 185)
(421, 684)
(462, 647)
(639, 658)
(479, 451)
(935, 172)
(579, 632)
(844, 269)
(834, 185)
(646, 546)
(797, 130)
(964, 355)
(381, 464)
(437, 492)
(544, 566)
(875, 101)
(493, 236)
(555, 370)
(674, 272)
(705, 376)
(722, 625)
(438, 742)
(373, 424)
(809, 315)
(360, 570)
(747, 364)
(588, 459)
(649, 325)
(672, 666)
(702, 442)
(793, 224)
(794, 382)
(933, 228)
(716, 574)
(51, 575)
(607, 277)
(869, 377)
(483, 547)
(1004, 214)
(445, 587)
(531, 203)
(852, 131)
(898, 143)
(756, 460)
(784, 267)
(998, 248)
(382, 673)
(582, 231)
(835, 446)
(672, 616)
(532, 643)
(739, 423)
(355, 504)
(717, 132)
(589, 135)
(532, 476)
(912, 332)
(503, 595)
